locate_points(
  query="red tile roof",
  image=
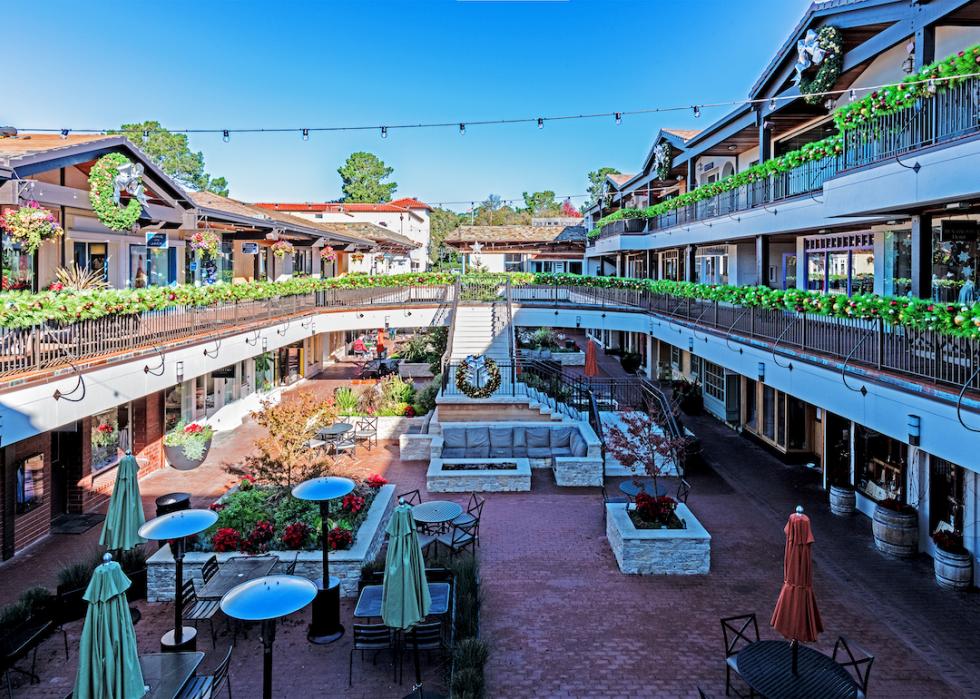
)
(411, 203)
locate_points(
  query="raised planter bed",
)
(414, 370)
(563, 358)
(478, 475)
(343, 564)
(390, 427)
(658, 551)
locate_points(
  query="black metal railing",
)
(444, 364)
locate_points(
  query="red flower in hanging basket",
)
(106, 428)
(193, 428)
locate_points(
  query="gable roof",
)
(376, 234)
(620, 178)
(410, 203)
(532, 235)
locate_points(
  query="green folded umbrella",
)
(405, 600)
(108, 662)
(125, 515)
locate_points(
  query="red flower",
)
(260, 537)
(226, 539)
(409, 411)
(56, 286)
(376, 481)
(338, 538)
(193, 428)
(352, 503)
(105, 428)
(294, 535)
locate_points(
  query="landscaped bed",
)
(479, 466)
(656, 550)
(478, 475)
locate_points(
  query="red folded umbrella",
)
(796, 615)
(381, 341)
(591, 363)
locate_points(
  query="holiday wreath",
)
(103, 193)
(825, 50)
(475, 365)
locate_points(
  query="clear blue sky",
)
(221, 64)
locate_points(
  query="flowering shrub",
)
(192, 438)
(338, 538)
(261, 535)
(409, 411)
(352, 503)
(226, 539)
(294, 535)
(207, 243)
(30, 225)
(247, 482)
(656, 510)
(376, 481)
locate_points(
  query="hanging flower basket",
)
(186, 446)
(102, 193)
(357, 257)
(30, 225)
(208, 243)
(281, 248)
(328, 253)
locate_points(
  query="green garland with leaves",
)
(100, 180)
(831, 40)
(468, 389)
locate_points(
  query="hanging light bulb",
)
(772, 104)
(306, 134)
(65, 132)
(540, 123)
(852, 95)
(697, 112)
(619, 118)
(462, 129)
(384, 132)
(225, 136)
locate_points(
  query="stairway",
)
(477, 333)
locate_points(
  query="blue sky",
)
(221, 64)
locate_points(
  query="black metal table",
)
(436, 511)
(369, 603)
(767, 667)
(338, 429)
(234, 572)
(166, 673)
(633, 487)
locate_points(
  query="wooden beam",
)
(57, 195)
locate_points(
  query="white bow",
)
(810, 54)
(129, 179)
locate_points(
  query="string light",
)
(619, 118)
(540, 123)
(225, 135)
(65, 132)
(306, 134)
(384, 132)
(697, 112)
(772, 104)
(462, 129)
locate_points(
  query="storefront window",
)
(18, 267)
(816, 264)
(173, 406)
(111, 433)
(862, 271)
(879, 464)
(514, 262)
(946, 504)
(29, 491)
(714, 381)
(152, 266)
(290, 364)
(956, 254)
(840, 263)
(711, 265)
(789, 270)
(898, 263)
(93, 257)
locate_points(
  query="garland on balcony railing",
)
(888, 100)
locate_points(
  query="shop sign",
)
(157, 239)
(250, 248)
(960, 231)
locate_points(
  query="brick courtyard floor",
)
(563, 622)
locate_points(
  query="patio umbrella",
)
(120, 531)
(405, 599)
(591, 363)
(108, 662)
(796, 615)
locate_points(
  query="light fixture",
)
(462, 129)
(306, 134)
(619, 118)
(772, 104)
(957, 205)
(852, 95)
(915, 429)
(146, 134)
(384, 132)
(578, 321)
(690, 344)
(829, 103)
(225, 136)
(761, 372)
(180, 372)
(732, 146)
(697, 111)
(265, 344)
(540, 123)
(65, 132)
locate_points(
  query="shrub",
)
(294, 536)
(226, 539)
(467, 684)
(471, 653)
(352, 503)
(244, 509)
(655, 509)
(259, 538)
(13, 614)
(133, 560)
(950, 542)
(36, 599)
(345, 400)
(425, 400)
(75, 575)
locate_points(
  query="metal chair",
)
(426, 636)
(197, 610)
(857, 663)
(458, 539)
(207, 686)
(345, 446)
(412, 497)
(683, 490)
(372, 637)
(474, 511)
(291, 568)
(739, 632)
(209, 569)
(366, 430)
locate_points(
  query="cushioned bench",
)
(481, 442)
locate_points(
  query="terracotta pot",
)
(842, 501)
(176, 459)
(954, 571)
(896, 533)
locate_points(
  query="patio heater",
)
(325, 626)
(175, 527)
(266, 599)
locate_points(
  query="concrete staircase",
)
(476, 334)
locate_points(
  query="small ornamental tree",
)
(283, 458)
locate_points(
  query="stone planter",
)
(842, 501)
(896, 533)
(569, 358)
(954, 571)
(414, 370)
(658, 551)
(439, 479)
(176, 459)
(343, 564)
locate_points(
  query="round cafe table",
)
(335, 430)
(436, 511)
(767, 667)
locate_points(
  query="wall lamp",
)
(265, 344)
(578, 321)
(690, 344)
(761, 371)
(915, 429)
(180, 372)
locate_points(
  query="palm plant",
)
(78, 278)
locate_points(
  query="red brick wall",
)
(31, 526)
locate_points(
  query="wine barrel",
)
(842, 501)
(954, 571)
(896, 533)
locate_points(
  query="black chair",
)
(683, 490)
(611, 500)
(857, 662)
(366, 430)
(197, 610)
(209, 569)
(291, 568)
(427, 637)
(372, 637)
(472, 516)
(739, 632)
(207, 686)
(20, 640)
(702, 695)
(412, 497)
(459, 538)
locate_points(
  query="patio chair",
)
(428, 636)
(290, 569)
(197, 610)
(474, 511)
(345, 446)
(739, 632)
(366, 429)
(856, 661)
(683, 490)
(411, 497)
(207, 686)
(459, 538)
(372, 637)
(209, 569)
(316, 444)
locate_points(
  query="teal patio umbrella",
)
(120, 531)
(108, 662)
(405, 599)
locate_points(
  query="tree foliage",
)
(363, 175)
(283, 458)
(441, 224)
(172, 154)
(597, 184)
(644, 447)
(541, 203)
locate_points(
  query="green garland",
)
(100, 180)
(664, 156)
(831, 40)
(488, 389)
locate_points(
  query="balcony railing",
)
(952, 114)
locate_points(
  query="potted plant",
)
(691, 400)
(895, 527)
(952, 564)
(30, 225)
(187, 445)
(73, 580)
(631, 362)
(634, 220)
(842, 499)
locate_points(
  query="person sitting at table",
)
(358, 348)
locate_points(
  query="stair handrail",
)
(449, 339)
(511, 335)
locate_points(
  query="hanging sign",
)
(250, 248)
(157, 239)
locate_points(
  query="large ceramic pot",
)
(954, 571)
(176, 459)
(635, 225)
(896, 532)
(842, 500)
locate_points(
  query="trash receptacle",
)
(173, 502)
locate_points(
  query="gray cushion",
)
(501, 437)
(561, 451)
(561, 437)
(454, 452)
(538, 437)
(501, 452)
(519, 437)
(454, 437)
(518, 452)
(477, 437)
(578, 444)
(539, 452)
(477, 452)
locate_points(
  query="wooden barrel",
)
(896, 533)
(841, 501)
(954, 571)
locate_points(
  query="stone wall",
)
(438, 480)
(658, 551)
(414, 447)
(345, 565)
(578, 471)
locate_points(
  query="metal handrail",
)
(452, 331)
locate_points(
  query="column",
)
(922, 256)
(765, 140)
(689, 275)
(762, 260)
(651, 361)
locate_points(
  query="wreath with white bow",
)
(823, 48)
(468, 375)
(112, 175)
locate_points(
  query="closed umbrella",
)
(591, 363)
(796, 615)
(405, 599)
(381, 342)
(108, 662)
(120, 531)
